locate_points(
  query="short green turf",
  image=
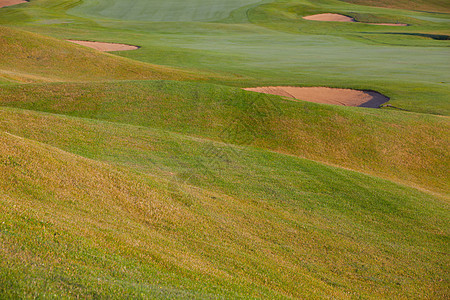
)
(427, 5)
(162, 11)
(268, 42)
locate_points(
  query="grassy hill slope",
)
(29, 57)
(275, 227)
(406, 147)
(116, 181)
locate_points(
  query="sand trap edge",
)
(104, 46)
(327, 95)
(9, 3)
(332, 17)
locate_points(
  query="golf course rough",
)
(153, 173)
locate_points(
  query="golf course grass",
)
(153, 174)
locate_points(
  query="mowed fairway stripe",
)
(163, 11)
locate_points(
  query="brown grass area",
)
(128, 214)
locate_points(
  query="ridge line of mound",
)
(27, 53)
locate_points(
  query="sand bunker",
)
(346, 97)
(4, 3)
(329, 18)
(105, 46)
(341, 18)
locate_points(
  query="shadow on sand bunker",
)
(345, 97)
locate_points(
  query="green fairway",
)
(162, 11)
(151, 174)
(433, 5)
(268, 43)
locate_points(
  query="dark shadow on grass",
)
(440, 37)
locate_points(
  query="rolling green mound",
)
(361, 139)
(107, 231)
(151, 174)
(28, 57)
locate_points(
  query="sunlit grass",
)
(151, 174)
(410, 148)
(270, 225)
